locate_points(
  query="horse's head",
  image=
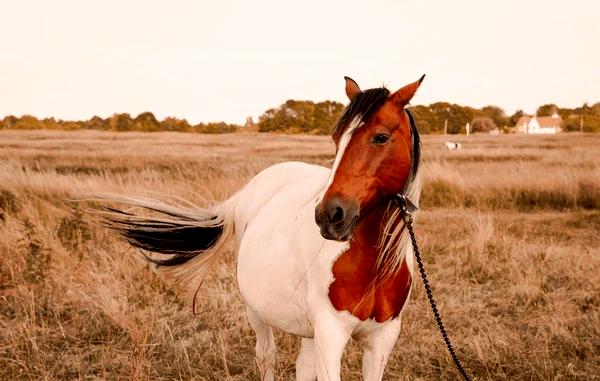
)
(373, 162)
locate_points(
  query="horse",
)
(322, 253)
(452, 146)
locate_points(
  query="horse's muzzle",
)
(336, 218)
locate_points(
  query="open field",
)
(510, 234)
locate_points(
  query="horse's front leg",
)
(378, 346)
(305, 363)
(330, 338)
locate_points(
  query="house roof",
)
(524, 120)
(543, 121)
(548, 121)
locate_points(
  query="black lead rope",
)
(408, 209)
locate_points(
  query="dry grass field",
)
(509, 230)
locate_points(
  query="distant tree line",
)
(318, 118)
(308, 117)
(301, 117)
(431, 119)
(144, 122)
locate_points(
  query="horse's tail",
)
(189, 239)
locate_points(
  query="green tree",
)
(9, 121)
(497, 114)
(456, 115)
(96, 123)
(591, 123)
(120, 122)
(301, 116)
(174, 124)
(547, 109)
(28, 122)
(428, 122)
(483, 124)
(146, 122)
(52, 124)
(215, 128)
(514, 118)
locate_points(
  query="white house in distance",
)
(528, 124)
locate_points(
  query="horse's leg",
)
(266, 355)
(329, 342)
(305, 363)
(378, 346)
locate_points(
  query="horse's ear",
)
(405, 94)
(352, 89)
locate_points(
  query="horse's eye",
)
(381, 139)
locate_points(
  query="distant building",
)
(528, 124)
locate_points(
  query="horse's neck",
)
(365, 242)
(358, 285)
(380, 241)
(368, 230)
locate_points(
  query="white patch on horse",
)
(355, 124)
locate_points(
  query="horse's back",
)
(296, 178)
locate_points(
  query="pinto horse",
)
(347, 275)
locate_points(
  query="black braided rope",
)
(408, 219)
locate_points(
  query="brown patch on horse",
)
(357, 288)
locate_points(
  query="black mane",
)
(416, 146)
(364, 105)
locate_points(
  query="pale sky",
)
(226, 60)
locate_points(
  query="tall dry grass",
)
(509, 233)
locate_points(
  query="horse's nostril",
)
(337, 215)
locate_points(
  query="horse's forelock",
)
(362, 107)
